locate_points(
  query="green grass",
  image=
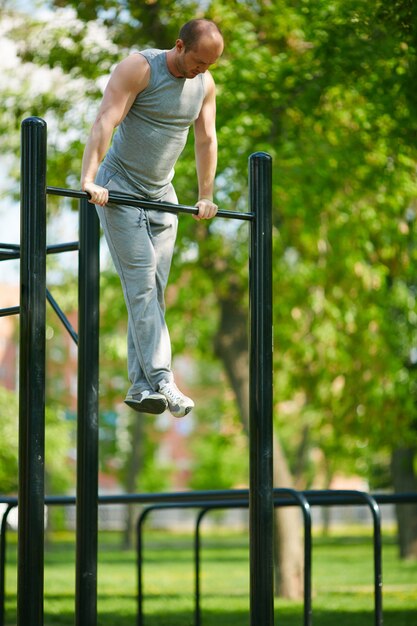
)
(342, 582)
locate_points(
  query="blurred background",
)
(327, 87)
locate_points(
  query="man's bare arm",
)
(129, 78)
(206, 151)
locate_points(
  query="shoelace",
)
(172, 392)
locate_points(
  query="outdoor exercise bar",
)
(206, 499)
(32, 374)
(32, 384)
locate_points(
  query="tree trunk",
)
(289, 547)
(405, 480)
(231, 347)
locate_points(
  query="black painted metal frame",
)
(206, 501)
(32, 383)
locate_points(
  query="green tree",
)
(327, 89)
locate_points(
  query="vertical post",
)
(32, 373)
(87, 431)
(260, 393)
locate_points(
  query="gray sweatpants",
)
(141, 243)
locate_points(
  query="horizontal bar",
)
(121, 198)
(11, 310)
(9, 251)
(10, 246)
(13, 251)
(235, 497)
(62, 247)
(9, 255)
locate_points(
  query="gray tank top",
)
(153, 134)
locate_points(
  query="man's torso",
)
(153, 134)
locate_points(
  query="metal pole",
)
(32, 373)
(377, 543)
(3, 532)
(260, 393)
(130, 200)
(87, 428)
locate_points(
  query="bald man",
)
(153, 97)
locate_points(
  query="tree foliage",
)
(327, 87)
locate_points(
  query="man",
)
(153, 97)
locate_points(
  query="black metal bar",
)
(300, 498)
(139, 560)
(119, 198)
(3, 530)
(139, 541)
(11, 310)
(341, 496)
(56, 248)
(260, 393)
(197, 498)
(377, 541)
(14, 251)
(139, 550)
(87, 433)
(67, 324)
(9, 256)
(10, 246)
(32, 374)
(9, 251)
(226, 499)
(197, 564)
(197, 551)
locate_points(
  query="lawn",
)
(342, 582)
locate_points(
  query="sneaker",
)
(147, 402)
(178, 404)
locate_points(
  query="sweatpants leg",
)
(141, 244)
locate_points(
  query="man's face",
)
(198, 60)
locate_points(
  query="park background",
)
(328, 89)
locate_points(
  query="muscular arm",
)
(206, 151)
(129, 78)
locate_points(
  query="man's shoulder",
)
(150, 53)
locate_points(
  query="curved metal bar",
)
(376, 515)
(331, 497)
(197, 551)
(139, 538)
(239, 498)
(139, 548)
(300, 498)
(139, 558)
(3, 530)
(119, 198)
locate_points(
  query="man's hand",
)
(206, 209)
(99, 195)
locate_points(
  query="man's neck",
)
(171, 64)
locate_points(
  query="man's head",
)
(199, 45)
